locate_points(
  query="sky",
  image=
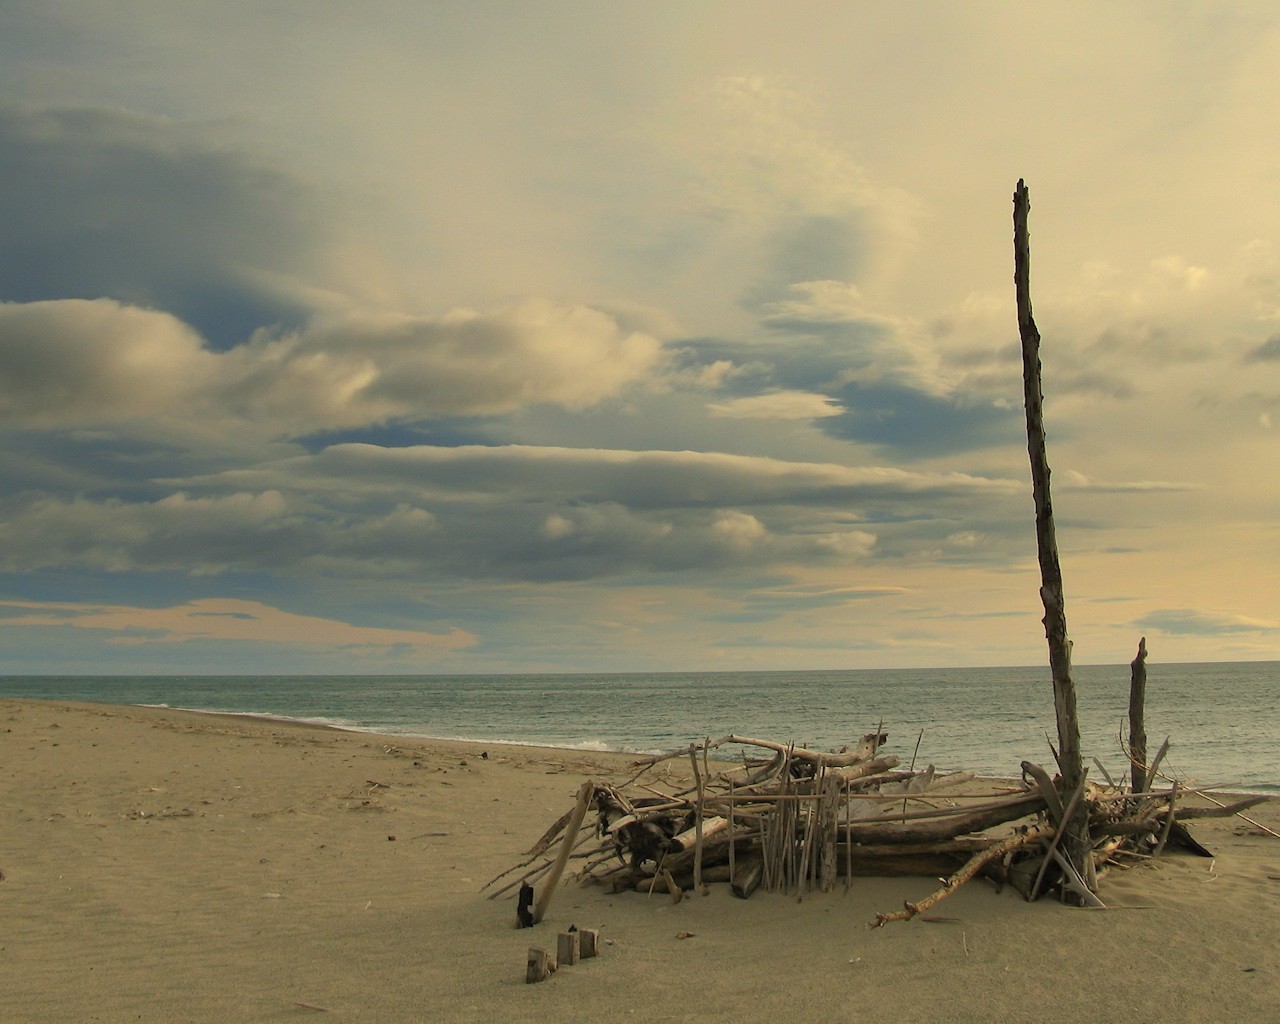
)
(564, 336)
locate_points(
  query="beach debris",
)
(168, 812)
(789, 819)
(539, 966)
(787, 822)
(572, 945)
(524, 907)
(568, 949)
(588, 942)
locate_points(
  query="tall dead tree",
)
(1075, 844)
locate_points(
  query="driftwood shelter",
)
(791, 820)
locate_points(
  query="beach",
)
(162, 865)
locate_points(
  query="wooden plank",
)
(567, 948)
(539, 966)
(747, 877)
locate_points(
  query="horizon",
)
(504, 340)
(592, 672)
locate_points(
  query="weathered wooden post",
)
(1075, 845)
(1137, 718)
(567, 841)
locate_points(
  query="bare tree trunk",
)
(1137, 717)
(1075, 844)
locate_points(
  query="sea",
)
(1222, 719)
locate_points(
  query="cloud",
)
(513, 512)
(814, 305)
(195, 535)
(766, 150)
(881, 375)
(776, 405)
(226, 620)
(764, 193)
(809, 247)
(112, 204)
(74, 363)
(371, 368)
(914, 423)
(1074, 480)
(1268, 351)
(636, 479)
(1188, 622)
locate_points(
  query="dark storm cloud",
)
(816, 247)
(532, 540)
(916, 423)
(1268, 351)
(886, 409)
(101, 203)
(800, 362)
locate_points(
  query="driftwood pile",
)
(792, 820)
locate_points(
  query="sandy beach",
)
(168, 866)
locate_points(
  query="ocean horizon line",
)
(1151, 663)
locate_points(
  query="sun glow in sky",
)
(494, 336)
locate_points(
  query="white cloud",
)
(369, 368)
(73, 362)
(739, 529)
(849, 544)
(777, 405)
(557, 527)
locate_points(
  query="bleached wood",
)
(974, 865)
(688, 839)
(579, 812)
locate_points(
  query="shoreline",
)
(586, 748)
(969, 721)
(174, 865)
